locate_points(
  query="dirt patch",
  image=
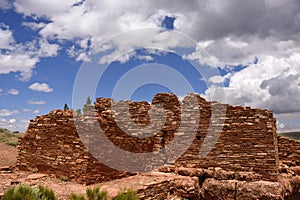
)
(147, 186)
(8, 155)
(61, 189)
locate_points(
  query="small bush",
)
(92, 194)
(96, 194)
(12, 143)
(8, 137)
(25, 192)
(126, 195)
(20, 192)
(64, 178)
(76, 197)
(44, 193)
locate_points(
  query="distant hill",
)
(292, 135)
(8, 137)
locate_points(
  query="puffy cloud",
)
(88, 22)
(232, 51)
(47, 50)
(18, 62)
(22, 58)
(43, 7)
(217, 79)
(288, 122)
(229, 24)
(5, 4)
(6, 37)
(4, 123)
(145, 57)
(36, 112)
(273, 83)
(14, 59)
(228, 33)
(239, 30)
(262, 18)
(281, 125)
(5, 112)
(284, 91)
(34, 26)
(33, 102)
(40, 87)
(203, 20)
(14, 124)
(12, 121)
(13, 92)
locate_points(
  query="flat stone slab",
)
(36, 176)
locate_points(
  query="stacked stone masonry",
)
(242, 139)
(289, 151)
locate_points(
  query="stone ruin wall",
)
(248, 141)
(51, 145)
(289, 151)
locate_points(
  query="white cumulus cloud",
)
(13, 92)
(22, 57)
(36, 112)
(5, 4)
(33, 102)
(6, 112)
(14, 124)
(6, 37)
(228, 34)
(41, 87)
(34, 26)
(273, 83)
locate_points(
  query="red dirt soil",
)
(8, 155)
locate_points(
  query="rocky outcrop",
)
(240, 190)
(216, 183)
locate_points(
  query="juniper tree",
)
(66, 107)
(87, 103)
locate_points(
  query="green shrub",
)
(76, 197)
(44, 193)
(92, 194)
(20, 192)
(96, 194)
(8, 137)
(25, 192)
(64, 178)
(126, 195)
(12, 143)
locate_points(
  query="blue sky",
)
(250, 57)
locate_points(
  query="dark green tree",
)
(78, 111)
(87, 103)
(66, 107)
